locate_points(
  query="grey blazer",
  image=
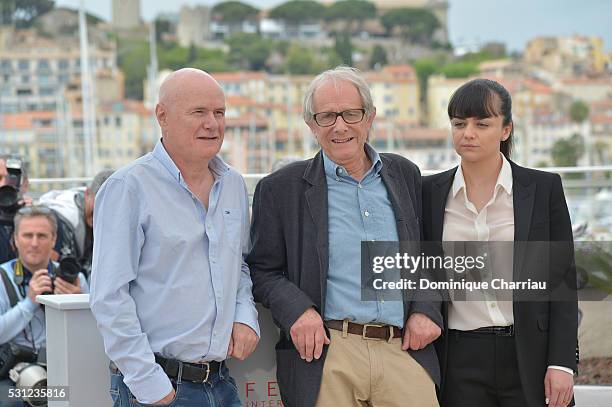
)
(290, 253)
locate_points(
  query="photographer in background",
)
(74, 211)
(13, 189)
(22, 320)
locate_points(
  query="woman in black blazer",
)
(523, 354)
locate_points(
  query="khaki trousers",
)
(377, 373)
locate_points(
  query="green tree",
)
(300, 61)
(162, 26)
(172, 58)
(212, 60)
(333, 59)
(567, 152)
(22, 13)
(415, 24)
(295, 11)
(424, 69)
(234, 11)
(459, 69)
(578, 111)
(351, 12)
(249, 51)
(132, 58)
(344, 48)
(378, 57)
(192, 54)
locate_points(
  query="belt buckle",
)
(365, 327)
(509, 331)
(207, 371)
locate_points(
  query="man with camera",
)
(32, 273)
(74, 211)
(13, 188)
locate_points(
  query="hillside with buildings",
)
(70, 115)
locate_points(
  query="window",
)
(46, 91)
(63, 64)
(23, 64)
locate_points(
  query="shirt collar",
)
(504, 178)
(334, 170)
(218, 167)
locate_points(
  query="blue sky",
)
(513, 22)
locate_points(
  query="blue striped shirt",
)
(168, 275)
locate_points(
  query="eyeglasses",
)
(350, 116)
(35, 209)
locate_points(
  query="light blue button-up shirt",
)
(168, 275)
(357, 211)
(26, 320)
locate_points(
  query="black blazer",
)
(545, 332)
(290, 254)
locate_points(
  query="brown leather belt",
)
(367, 331)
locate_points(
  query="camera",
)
(68, 270)
(25, 367)
(9, 193)
(12, 354)
(30, 375)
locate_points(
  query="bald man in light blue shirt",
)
(170, 290)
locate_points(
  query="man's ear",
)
(160, 113)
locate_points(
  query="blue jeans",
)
(5, 385)
(219, 391)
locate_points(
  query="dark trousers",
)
(482, 371)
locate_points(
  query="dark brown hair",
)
(482, 98)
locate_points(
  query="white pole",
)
(86, 94)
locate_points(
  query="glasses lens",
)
(352, 116)
(325, 118)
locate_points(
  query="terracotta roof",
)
(601, 119)
(588, 81)
(25, 120)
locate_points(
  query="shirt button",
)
(366, 214)
(360, 186)
(493, 305)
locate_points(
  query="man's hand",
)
(40, 283)
(243, 341)
(64, 287)
(166, 400)
(419, 332)
(308, 335)
(558, 387)
(26, 200)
